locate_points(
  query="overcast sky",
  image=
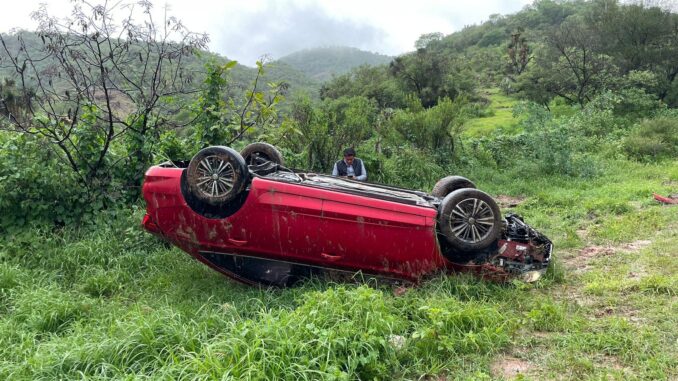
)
(247, 29)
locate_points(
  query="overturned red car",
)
(256, 221)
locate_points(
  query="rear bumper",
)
(150, 226)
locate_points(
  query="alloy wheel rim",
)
(472, 220)
(216, 176)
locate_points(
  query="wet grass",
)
(500, 115)
(114, 303)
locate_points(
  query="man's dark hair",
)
(349, 152)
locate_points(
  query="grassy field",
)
(113, 302)
(500, 115)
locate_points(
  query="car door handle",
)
(237, 242)
(330, 257)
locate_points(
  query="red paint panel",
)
(379, 240)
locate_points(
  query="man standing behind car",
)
(350, 167)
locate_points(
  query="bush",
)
(411, 168)
(653, 140)
(546, 146)
(36, 186)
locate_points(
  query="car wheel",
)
(216, 175)
(470, 220)
(256, 152)
(450, 184)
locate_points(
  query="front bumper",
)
(521, 253)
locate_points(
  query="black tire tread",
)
(268, 150)
(449, 184)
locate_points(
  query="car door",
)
(285, 221)
(378, 236)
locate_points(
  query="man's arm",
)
(335, 171)
(362, 177)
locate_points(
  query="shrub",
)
(412, 168)
(653, 140)
(546, 146)
(36, 186)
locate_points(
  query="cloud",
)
(246, 29)
(281, 29)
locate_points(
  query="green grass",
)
(114, 303)
(500, 110)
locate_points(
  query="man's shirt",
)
(351, 172)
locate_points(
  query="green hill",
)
(323, 63)
(241, 76)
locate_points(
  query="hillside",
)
(323, 63)
(565, 51)
(241, 75)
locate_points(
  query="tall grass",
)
(111, 302)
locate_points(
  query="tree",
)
(12, 103)
(573, 67)
(519, 53)
(641, 37)
(372, 82)
(330, 127)
(431, 75)
(434, 129)
(222, 119)
(428, 39)
(95, 81)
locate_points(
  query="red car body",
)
(322, 228)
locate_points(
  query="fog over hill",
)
(324, 62)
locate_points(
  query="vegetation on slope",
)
(322, 64)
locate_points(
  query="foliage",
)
(210, 124)
(586, 50)
(433, 130)
(653, 139)
(641, 38)
(329, 129)
(519, 53)
(370, 82)
(36, 187)
(431, 75)
(409, 167)
(222, 118)
(405, 147)
(574, 67)
(322, 64)
(79, 84)
(545, 146)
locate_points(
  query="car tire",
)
(450, 184)
(256, 151)
(470, 220)
(216, 175)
